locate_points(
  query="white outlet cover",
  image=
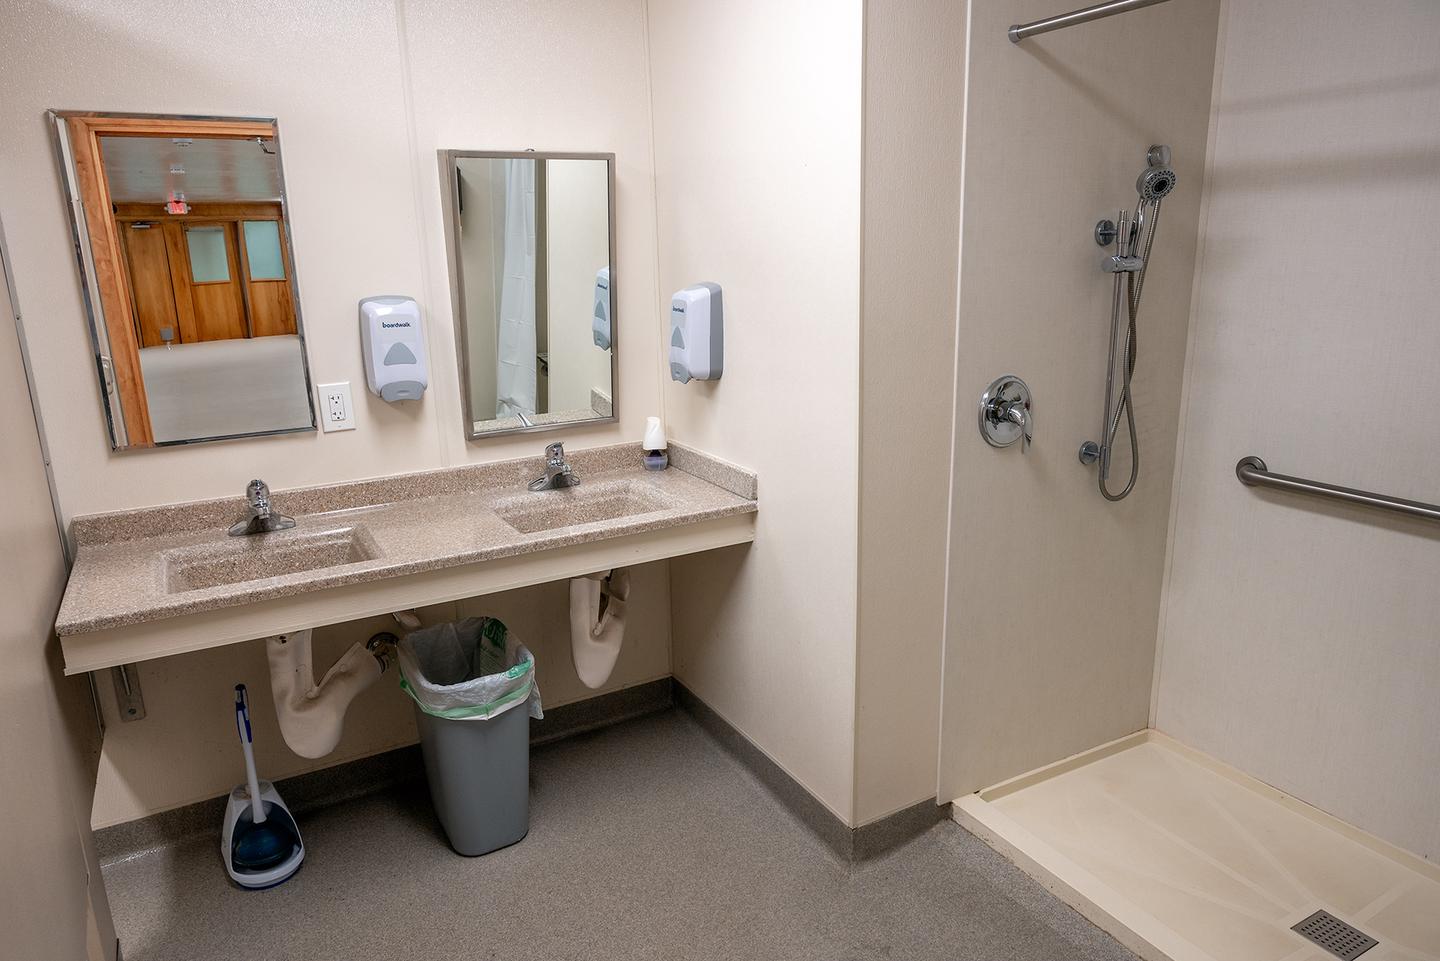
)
(337, 409)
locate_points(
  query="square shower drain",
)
(1340, 939)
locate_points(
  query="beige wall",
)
(1300, 638)
(1054, 592)
(361, 114)
(914, 102)
(185, 749)
(577, 242)
(364, 101)
(46, 726)
(335, 85)
(552, 75)
(757, 150)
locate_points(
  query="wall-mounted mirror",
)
(532, 269)
(182, 237)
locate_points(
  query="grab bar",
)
(1020, 31)
(1253, 473)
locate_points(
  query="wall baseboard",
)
(369, 775)
(849, 844)
(380, 772)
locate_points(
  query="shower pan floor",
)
(1181, 857)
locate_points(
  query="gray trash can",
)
(474, 689)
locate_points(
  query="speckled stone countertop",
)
(137, 566)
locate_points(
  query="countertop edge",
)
(295, 585)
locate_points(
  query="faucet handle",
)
(1005, 413)
(555, 455)
(1018, 413)
(257, 492)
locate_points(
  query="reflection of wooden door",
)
(150, 285)
(214, 276)
(228, 271)
(271, 308)
(267, 266)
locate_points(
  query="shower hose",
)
(1135, 280)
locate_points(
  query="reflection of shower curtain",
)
(515, 371)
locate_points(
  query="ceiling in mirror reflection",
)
(149, 169)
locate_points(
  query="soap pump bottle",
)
(656, 457)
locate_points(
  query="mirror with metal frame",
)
(531, 240)
(182, 237)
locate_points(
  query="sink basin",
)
(586, 504)
(239, 559)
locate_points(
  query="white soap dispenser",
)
(697, 333)
(657, 457)
(393, 345)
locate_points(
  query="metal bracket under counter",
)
(184, 633)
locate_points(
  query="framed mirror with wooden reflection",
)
(531, 241)
(182, 239)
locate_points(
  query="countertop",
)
(130, 566)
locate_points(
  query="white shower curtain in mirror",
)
(515, 358)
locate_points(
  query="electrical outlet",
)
(337, 411)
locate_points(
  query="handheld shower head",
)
(1155, 182)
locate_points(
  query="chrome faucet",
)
(558, 474)
(259, 517)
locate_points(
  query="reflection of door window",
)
(272, 311)
(219, 303)
(262, 249)
(209, 255)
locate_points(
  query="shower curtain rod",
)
(1020, 31)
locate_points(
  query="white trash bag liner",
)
(468, 670)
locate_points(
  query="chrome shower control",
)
(1122, 265)
(1005, 413)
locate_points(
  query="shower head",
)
(1155, 182)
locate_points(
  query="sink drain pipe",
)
(597, 623)
(312, 716)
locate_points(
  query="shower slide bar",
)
(1253, 473)
(1100, 11)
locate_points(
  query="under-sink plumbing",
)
(312, 716)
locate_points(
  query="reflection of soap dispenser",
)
(600, 321)
(656, 455)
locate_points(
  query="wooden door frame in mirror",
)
(84, 129)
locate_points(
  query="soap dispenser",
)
(657, 457)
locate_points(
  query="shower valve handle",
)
(1006, 414)
(1018, 413)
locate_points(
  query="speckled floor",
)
(646, 841)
